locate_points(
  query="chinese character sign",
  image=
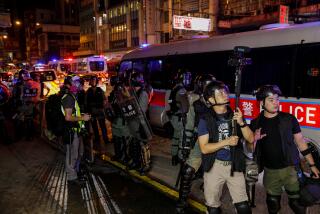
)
(191, 23)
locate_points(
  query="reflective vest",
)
(76, 113)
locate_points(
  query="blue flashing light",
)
(144, 45)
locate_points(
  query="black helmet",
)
(24, 74)
(184, 77)
(267, 90)
(212, 87)
(114, 80)
(137, 79)
(201, 81)
(70, 79)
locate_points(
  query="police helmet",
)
(184, 77)
(201, 81)
(4, 94)
(267, 90)
(24, 75)
(210, 89)
(114, 80)
(71, 79)
(137, 79)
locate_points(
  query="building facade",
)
(108, 26)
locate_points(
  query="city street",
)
(32, 180)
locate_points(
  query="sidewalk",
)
(163, 178)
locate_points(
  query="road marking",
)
(162, 188)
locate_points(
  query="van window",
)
(96, 65)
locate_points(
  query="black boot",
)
(296, 207)
(124, 157)
(214, 210)
(135, 151)
(185, 187)
(175, 160)
(117, 147)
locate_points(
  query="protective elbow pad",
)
(243, 207)
(273, 203)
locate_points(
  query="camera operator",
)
(221, 163)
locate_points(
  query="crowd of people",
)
(208, 139)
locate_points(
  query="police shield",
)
(131, 110)
(31, 91)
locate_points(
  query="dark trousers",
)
(102, 125)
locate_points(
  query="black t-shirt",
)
(272, 152)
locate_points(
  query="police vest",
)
(75, 113)
(237, 155)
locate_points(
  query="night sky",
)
(19, 6)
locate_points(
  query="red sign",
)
(307, 113)
(284, 14)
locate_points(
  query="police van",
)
(287, 56)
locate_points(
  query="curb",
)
(165, 189)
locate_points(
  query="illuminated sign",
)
(307, 113)
(283, 14)
(191, 23)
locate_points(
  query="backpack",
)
(54, 116)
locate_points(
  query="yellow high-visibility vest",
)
(77, 113)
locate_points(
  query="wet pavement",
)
(32, 180)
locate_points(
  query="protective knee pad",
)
(243, 207)
(214, 210)
(273, 203)
(296, 207)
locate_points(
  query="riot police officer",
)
(119, 127)
(96, 101)
(26, 94)
(4, 98)
(138, 126)
(190, 148)
(179, 106)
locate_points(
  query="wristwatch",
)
(243, 125)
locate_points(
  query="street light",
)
(5, 36)
(17, 22)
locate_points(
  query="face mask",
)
(74, 89)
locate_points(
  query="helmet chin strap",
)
(217, 104)
(221, 104)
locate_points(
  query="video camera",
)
(238, 58)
